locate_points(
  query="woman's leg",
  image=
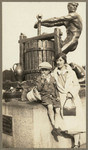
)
(51, 114)
(76, 140)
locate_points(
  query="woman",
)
(68, 87)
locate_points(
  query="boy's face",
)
(45, 71)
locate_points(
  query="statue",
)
(73, 24)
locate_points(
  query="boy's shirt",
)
(46, 87)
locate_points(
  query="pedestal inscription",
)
(7, 125)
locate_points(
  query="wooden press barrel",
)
(34, 55)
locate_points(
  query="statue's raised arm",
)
(73, 24)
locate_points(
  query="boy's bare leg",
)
(57, 117)
(51, 114)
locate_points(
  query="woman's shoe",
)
(75, 146)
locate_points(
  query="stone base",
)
(31, 127)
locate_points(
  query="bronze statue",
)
(73, 24)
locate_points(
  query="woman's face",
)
(60, 62)
(45, 72)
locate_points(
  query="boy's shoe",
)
(65, 131)
(54, 133)
(58, 131)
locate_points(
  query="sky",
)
(20, 17)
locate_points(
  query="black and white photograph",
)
(44, 74)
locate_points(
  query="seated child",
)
(46, 86)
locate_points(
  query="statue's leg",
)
(70, 46)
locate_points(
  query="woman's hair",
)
(62, 55)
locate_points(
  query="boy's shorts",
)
(50, 100)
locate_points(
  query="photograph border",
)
(1, 26)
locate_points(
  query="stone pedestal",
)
(31, 127)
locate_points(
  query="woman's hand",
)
(69, 95)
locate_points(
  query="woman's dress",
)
(68, 82)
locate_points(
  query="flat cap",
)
(45, 65)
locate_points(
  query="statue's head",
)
(72, 6)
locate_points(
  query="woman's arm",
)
(74, 87)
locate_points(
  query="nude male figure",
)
(73, 24)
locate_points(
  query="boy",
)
(46, 85)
